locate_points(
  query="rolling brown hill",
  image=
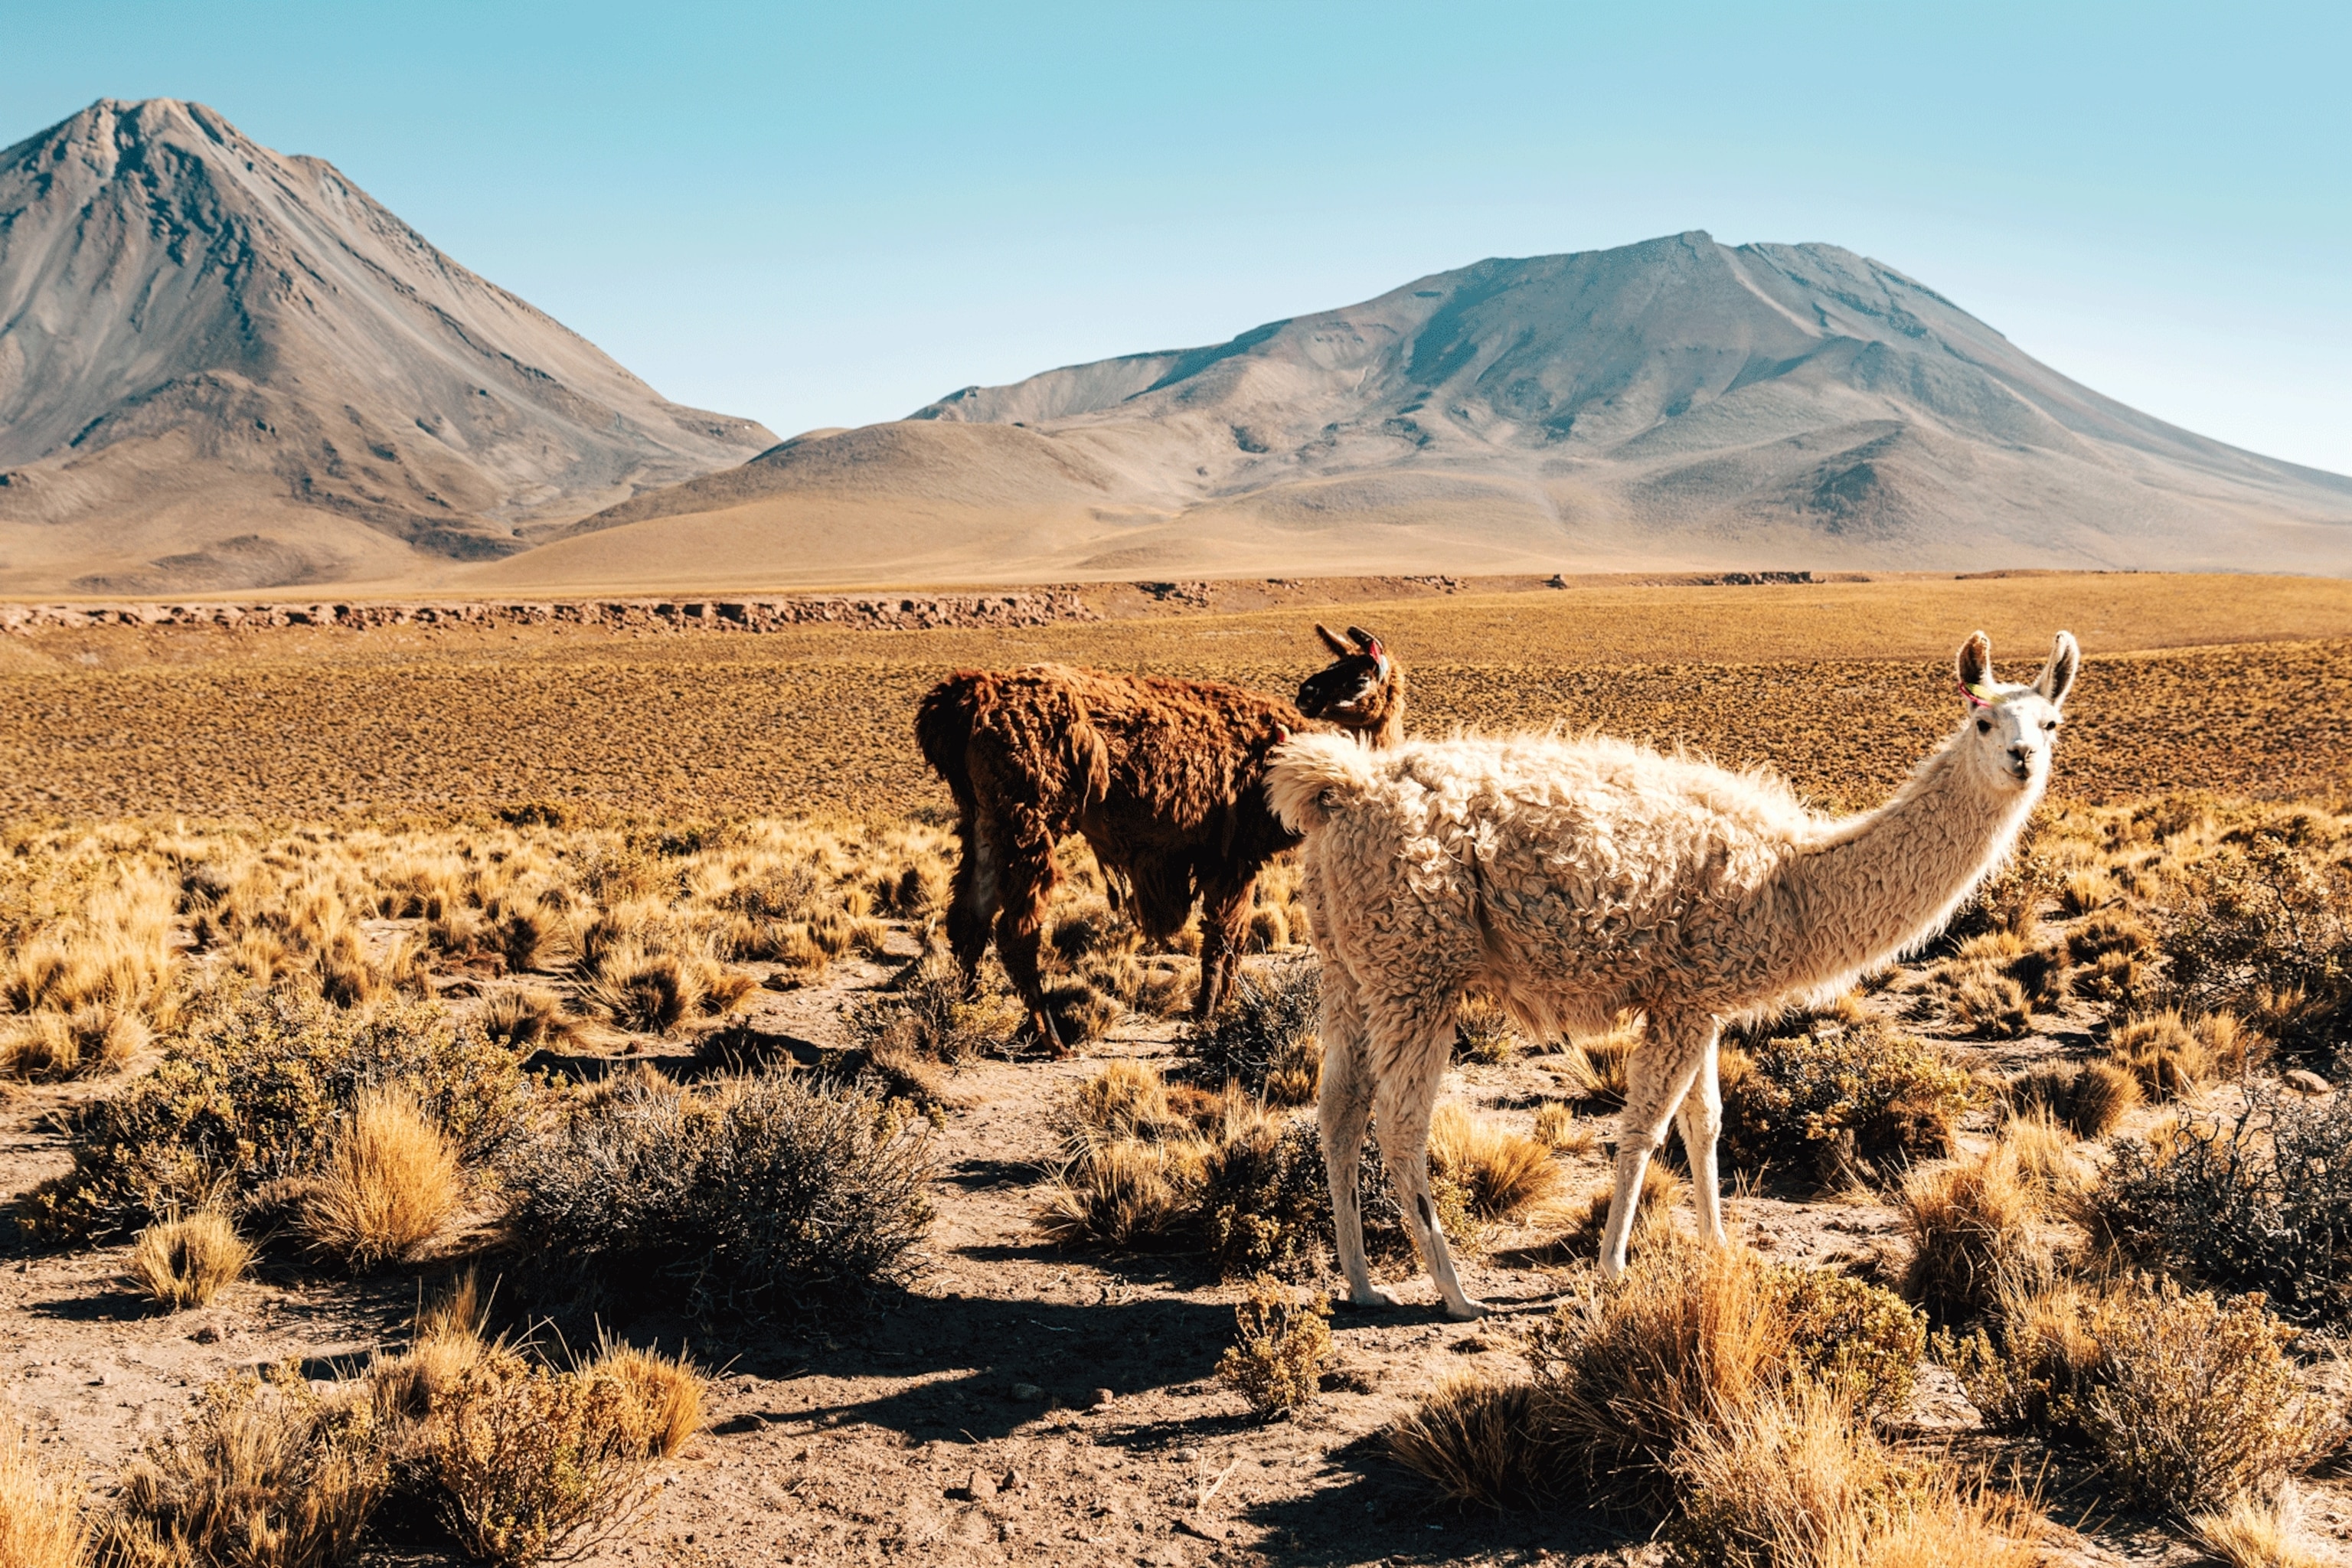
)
(224, 368)
(1675, 403)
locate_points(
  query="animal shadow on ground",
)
(1063, 1351)
(1331, 1525)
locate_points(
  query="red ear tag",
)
(1970, 693)
(1281, 734)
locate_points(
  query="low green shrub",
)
(1837, 1091)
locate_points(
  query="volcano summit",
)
(224, 368)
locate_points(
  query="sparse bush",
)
(1266, 1041)
(2190, 1405)
(1855, 1340)
(41, 1522)
(758, 1193)
(1477, 1442)
(2011, 898)
(1277, 1362)
(1990, 1005)
(1267, 1197)
(532, 1462)
(2163, 1052)
(266, 1473)
(252, 1093)
(929, 1018)
(2196, 1405)
(2265, 930)
(2032, 1368)
(1839, 1092)
(2256, 1199)
(389, 1184)
(187, 1261)
(1693, 1337)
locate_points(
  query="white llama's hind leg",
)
(1657, 1076)
(1404, 1103)
(1342, 1109)
(1701, 1121)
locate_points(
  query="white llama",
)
(1580, 877)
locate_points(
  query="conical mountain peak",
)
(205, 343)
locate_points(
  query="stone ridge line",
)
(871, 612)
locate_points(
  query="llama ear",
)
(1338, 649)
(1974, 663)
(1372, 649)
(2058, 675)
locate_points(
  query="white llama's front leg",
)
(1701, 1122)
(1405, 1103)
(1342, 1109)
(1657, 1076)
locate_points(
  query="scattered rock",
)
(2302, 1081)
(206, 1333)
(981, 1487)
(1100, 1397)
(1026, 1393)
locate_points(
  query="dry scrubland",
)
(1839, 685)
(476, 1171)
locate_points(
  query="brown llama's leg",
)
(1701, 1122)
(1026, 884)
(1223, 910)
(972, 903)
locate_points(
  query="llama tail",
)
(1311, 777)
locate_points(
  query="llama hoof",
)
(1467, 1312)
(1371, 1296)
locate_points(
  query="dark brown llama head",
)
(1362, 689)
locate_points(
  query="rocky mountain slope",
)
(221, 367)
(1675, 403)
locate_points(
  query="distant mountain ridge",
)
(1676, 401)
(224, 368)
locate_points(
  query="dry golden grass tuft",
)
(41, 1519)
(266, 1472)
(2251, 1535)
(1502, 1172)
(1793, 1481)
(1284, 1344)
(1979, 1219)
(185, 1261)
(1476, 1441)
(667, 1393)
(1559, 1128)
(1661, 1193)
(390, 1184)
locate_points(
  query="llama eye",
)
(1984, 726)
(2053, 724)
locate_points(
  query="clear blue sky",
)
(826, 216)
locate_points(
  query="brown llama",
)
(1162, 778)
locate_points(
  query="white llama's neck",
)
(1875, 885)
